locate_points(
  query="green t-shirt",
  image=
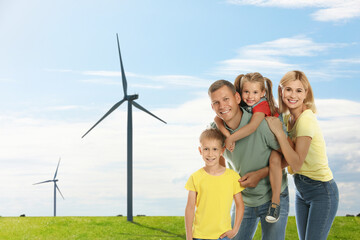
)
(250, 154)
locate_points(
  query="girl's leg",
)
(275, 176)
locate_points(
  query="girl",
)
(258, 100)
(317, 195)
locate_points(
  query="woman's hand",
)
(275, 125)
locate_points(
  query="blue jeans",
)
(252, 216)
(316, 204)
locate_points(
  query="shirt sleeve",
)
(236, 186)
(306, 126)
(190, 185)
(262, 107)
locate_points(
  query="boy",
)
(212, 190)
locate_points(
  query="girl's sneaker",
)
(273, 213)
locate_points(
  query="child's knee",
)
(275, 160)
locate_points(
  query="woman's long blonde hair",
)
(265, 84)
(293, 76)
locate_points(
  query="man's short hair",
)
(219, 84)
(212, 133)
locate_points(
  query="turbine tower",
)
(131, 102)
(54, 180)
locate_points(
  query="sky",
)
(60, 73)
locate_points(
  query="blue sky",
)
(59, 73)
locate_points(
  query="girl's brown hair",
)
(265, 84)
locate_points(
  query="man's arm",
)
(251, 179)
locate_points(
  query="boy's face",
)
(211, 150)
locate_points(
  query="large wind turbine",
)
(131, 102)
(54, 180)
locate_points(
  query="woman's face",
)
(293, 94)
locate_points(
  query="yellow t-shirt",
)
(213, 202)
(316, 164)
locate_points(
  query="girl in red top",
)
(257, 98)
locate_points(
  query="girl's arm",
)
(239, 213)
(189, 214)
(220, 125)
(294, 157)
(246, 130)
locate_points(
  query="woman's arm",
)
(294, 157)
(220, 125)
(189, 214)
(246, 130)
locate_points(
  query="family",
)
(259, 140)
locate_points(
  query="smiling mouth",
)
(292, 101)
(225, 112)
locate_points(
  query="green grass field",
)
(145, 228)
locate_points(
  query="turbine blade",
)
(110, 111)
(143, 109)
(59, 191)
(43, 182)
(57, 168)
(122, 69)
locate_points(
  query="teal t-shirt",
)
(250, 154)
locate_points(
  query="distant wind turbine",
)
(131, 102)
(54, 180)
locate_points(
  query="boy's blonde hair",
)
(212, 133)
(293, 76)
(265, 85)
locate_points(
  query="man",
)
(250, 159)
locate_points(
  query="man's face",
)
(225, 103)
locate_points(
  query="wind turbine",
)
(131, 102)
(54, 180)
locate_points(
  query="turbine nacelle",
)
(132, 97)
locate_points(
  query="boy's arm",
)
(220, 125)
(189, 214)
(246, 130)
(239, 213)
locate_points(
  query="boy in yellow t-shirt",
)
(211, 191)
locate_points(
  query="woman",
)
(317, 195)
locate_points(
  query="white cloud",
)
(164, 80)
(345, 61)
(270, 57)
(92, 174)
(330, 10)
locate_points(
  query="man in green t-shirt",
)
(250, 159)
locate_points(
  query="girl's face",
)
(251, 93)
(293, 94)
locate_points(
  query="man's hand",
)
(250, 179)
(230, 234)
